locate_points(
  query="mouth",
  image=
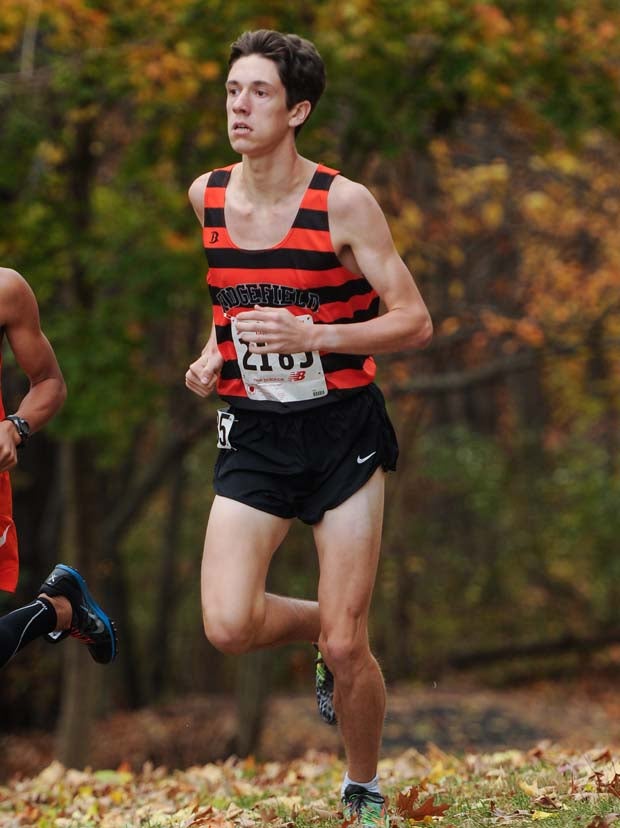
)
(239, 128)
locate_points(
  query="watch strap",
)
(22, 426)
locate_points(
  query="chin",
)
(239, 143)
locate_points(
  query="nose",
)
(240, 102)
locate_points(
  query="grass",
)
(550, 785)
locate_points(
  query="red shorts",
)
(9, 563)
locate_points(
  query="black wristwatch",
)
(23, 429)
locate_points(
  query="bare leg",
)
(238, 614)
(348, 541)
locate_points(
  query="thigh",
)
(346, 442)
(348, 540)
(261, 465)
(239, 545)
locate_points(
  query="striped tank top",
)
(302, 274)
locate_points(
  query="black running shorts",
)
(301, 464)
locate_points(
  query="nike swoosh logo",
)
(4, 534)
(363, 459)
(95, 621)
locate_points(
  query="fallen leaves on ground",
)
(509, 787)
(407, 806)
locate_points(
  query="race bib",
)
(225, 422)
(280, 377)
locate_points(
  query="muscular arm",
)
(358, 225)
(363, 241)
(19, 315)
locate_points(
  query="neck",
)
(269, 179)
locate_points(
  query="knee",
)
(229, 634)
(344, 654)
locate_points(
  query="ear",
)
(299, 113)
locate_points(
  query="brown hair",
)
(300, 66)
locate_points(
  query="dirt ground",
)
(455, 715)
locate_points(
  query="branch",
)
(568, 643)
(26, 65)
(460, 380)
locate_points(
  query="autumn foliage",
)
(490, 134)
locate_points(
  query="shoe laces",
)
(323, 673)
(359, 799)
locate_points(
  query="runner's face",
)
(255, 105)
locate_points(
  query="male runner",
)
(64, 605)
(299, 259)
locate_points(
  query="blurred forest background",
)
(490, 133)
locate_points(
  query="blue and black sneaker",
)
(89, 624)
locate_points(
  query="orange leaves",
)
(524, 331)
(75, 25)
(160, 73)
(529, 332)
(510, 787)
(407, 806)
(539, 232)
(492, 20)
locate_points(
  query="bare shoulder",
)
(12, 281)
(354, 211)
(16, 296)
(345, 195)
(198, 185)
(352, 203)
(196, 194)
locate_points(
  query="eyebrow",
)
(234, 82)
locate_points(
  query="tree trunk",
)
(252, 689)
(163, 616)
(81, 548)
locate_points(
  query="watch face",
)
(22, 426)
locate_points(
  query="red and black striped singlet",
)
(302, 273)
(9, 559)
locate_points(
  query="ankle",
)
(372, 785)
(64, 610)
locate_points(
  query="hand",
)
(273, 331)
(9, 439)
(201, 376)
